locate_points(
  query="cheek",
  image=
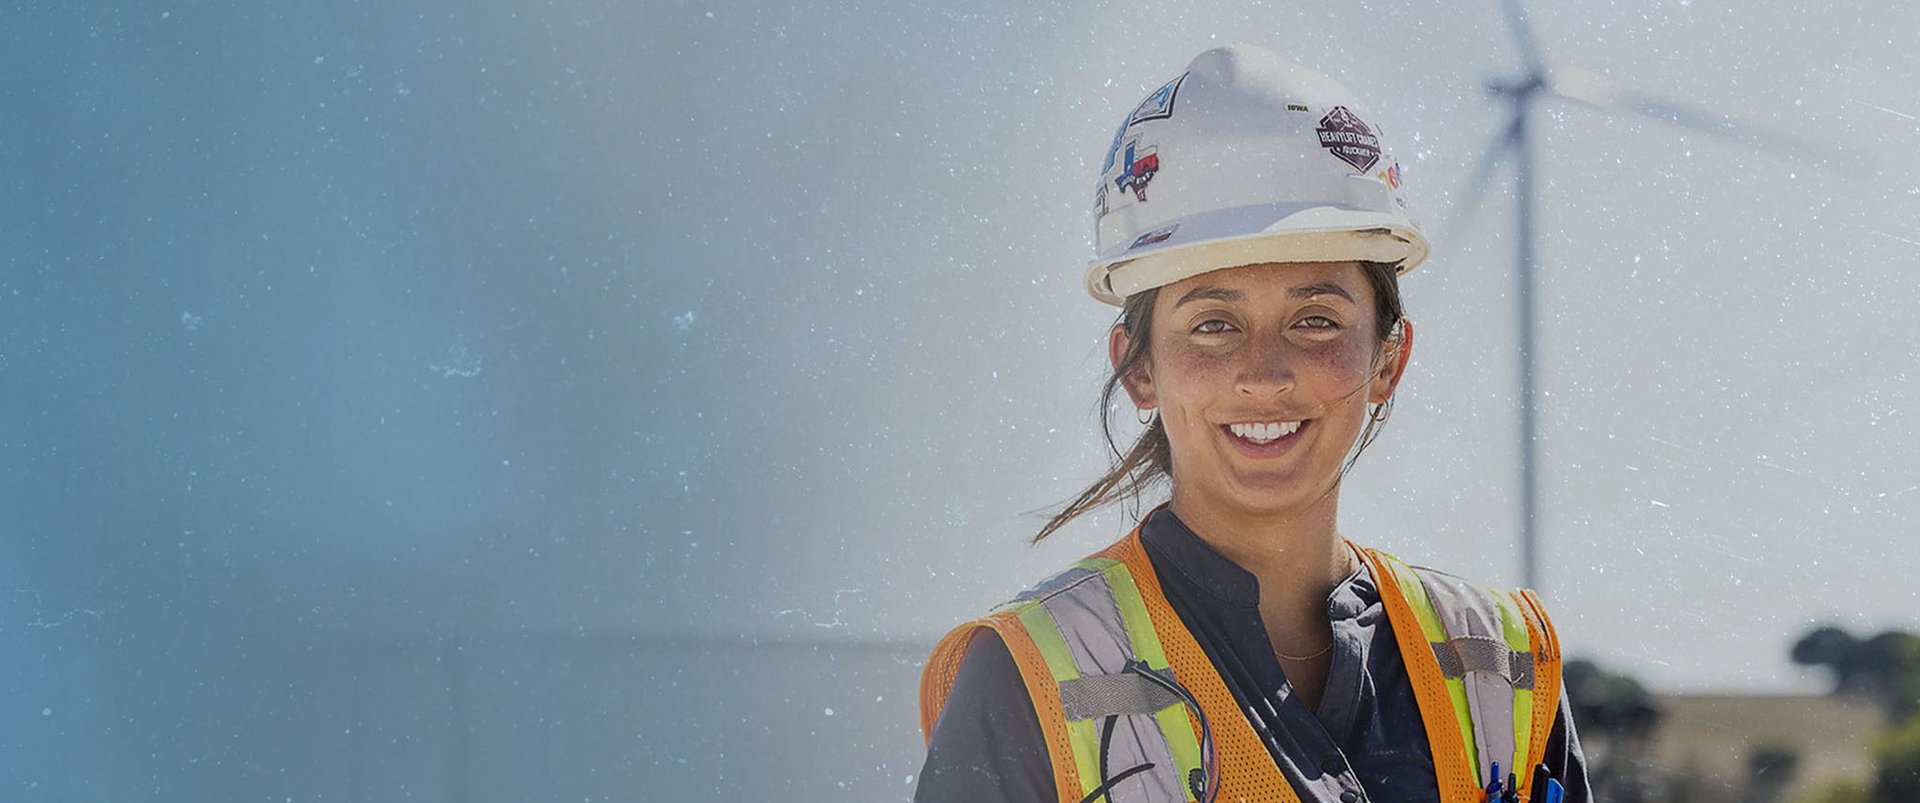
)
(1350, 361)
(1185, 372)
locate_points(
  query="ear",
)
(1138, 382)
(1398, 351)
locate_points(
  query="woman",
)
(1235, 645)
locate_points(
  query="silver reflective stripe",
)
(1052, 584)
(1479, 654)
(1137, 740)
(1084, 610)
(1099, 695)
(1089, 621)
(1472, 621)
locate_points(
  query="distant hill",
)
(1710, 742)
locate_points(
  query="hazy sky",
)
(593, 320)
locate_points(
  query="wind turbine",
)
(1564, 82)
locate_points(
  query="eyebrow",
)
(1209, 291)
(1312, 290)
(1227, 294)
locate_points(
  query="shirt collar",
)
(1206, 569)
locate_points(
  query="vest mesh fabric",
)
(936, 683)
(1452, 766)
(1547, 660)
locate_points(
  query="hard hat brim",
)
(1254, 235)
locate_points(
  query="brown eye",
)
(1318, 322)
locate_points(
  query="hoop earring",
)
(1144, 415)
(1381, 411)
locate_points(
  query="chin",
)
(1278, 492)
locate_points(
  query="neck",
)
(1298, 556)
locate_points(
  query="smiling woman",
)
(1149, 460)
(1262, 374)
(1236, 645)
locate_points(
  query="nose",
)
(1266, 367)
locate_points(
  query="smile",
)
(1264, 432)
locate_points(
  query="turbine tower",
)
(1538, 81)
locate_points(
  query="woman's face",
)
(1262, 375)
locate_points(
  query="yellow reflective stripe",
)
(1416, 594)
(1176, 724)
(1513, 625)
(1085, 734)
(1046, 636)
(1053, 647)
(1133, 614)
(1522, 730)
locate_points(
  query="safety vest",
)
(1133, 710)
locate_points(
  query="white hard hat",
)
(1243, 159)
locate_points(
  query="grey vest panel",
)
(1121, 704)
(1476, 651)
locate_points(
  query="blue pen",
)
(1493, 785)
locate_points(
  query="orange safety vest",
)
(1114, 675)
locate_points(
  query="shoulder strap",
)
(1485, 667)
(1445, 720)
(936, 682)
(1249, 772)
(1547, 664)
(1116, 720)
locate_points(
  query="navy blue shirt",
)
(1365, 740)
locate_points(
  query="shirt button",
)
(1349, 796)
(1333, 766)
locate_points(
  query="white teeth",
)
(1263, 432)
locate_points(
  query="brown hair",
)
(1150, 459)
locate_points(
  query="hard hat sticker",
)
(1142, 163)
(1158, 235)
(1346, 136)
(1159, 104)
(1391, 176)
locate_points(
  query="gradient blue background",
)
(599, 401)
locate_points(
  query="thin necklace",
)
(1322, 651)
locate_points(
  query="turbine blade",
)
(1607, 95)
(1522, 32)
(1479, 179)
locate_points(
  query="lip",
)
(1275, 448)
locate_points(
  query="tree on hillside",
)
(1616, 718)
(1885, 668)
(1616, 705)
(1833, 648)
